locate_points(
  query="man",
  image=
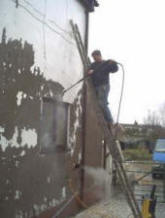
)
(99, 71)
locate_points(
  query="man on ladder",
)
(99, 71)
(111, 143)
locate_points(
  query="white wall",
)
(55, 54)
(46, 25)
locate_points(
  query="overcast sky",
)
(132, 32)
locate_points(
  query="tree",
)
(162, 114)
(153, 119)
(156, 117)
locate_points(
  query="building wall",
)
(38, 57)
(49, 32)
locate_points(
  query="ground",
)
(117, 206)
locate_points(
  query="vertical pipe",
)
(104, 154)
(84, 114)
(87, 31)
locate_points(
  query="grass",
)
(137, 154)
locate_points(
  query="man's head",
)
(97, 55)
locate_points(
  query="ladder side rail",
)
(78, 42)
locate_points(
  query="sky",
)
(132, 32)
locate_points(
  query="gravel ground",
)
(117, 206)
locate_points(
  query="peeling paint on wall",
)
(19, 97)
(17, 195)
(48, 179)
(23, 153)
(48, 203)
(64, 192)
(29, 70)
(79, 157)
(29, 138)
(76, 124)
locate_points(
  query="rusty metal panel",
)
(53, 125)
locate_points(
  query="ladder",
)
(109, 137)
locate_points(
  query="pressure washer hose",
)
(122, 91)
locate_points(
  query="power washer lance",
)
(103, 67)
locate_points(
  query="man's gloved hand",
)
(111, 62)
(90, 72)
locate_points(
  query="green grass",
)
(137, 154)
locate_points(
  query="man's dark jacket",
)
(101, 72)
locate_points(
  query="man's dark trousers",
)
(102, 92)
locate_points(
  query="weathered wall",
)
(98, 167)
(45, 25)
(38, 56)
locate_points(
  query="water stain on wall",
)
(28, 178)
(22, 86)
